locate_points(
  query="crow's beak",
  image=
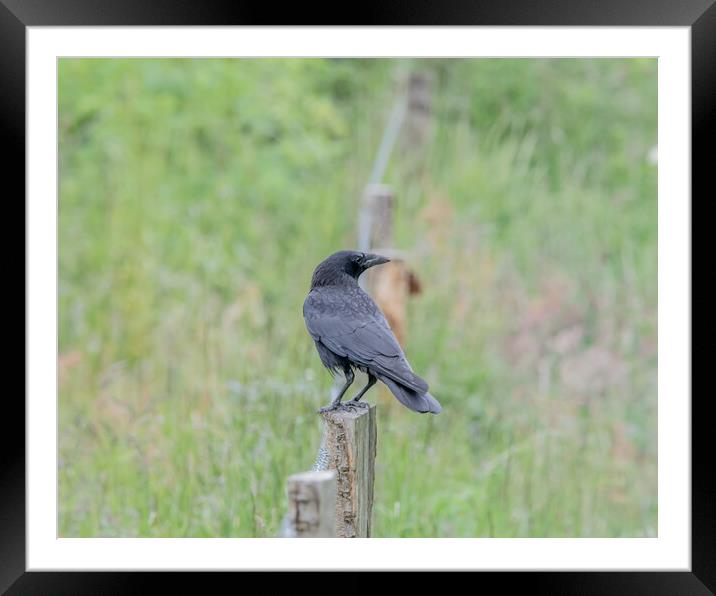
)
(372, 260)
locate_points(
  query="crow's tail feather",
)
(418, 402)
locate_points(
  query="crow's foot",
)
(353, 405)
(350, 405)
(329, 408)
(357, 404)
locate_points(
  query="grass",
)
(196, 196)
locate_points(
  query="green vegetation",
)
(196, 196)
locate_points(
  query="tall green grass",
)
(196, 196)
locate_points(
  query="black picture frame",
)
(700, 15)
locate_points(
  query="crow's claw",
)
(357, 404)
(350, 405)
(330, 408)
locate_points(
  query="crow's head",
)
(343, 266)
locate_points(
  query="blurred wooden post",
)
(350, 443)
(375, 219)
(388, 284)
(311, 505)
(417, 124)
(378, 201)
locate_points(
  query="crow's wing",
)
(355, 328)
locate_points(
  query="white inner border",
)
(671, 550)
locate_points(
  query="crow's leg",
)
(356, 400)
(336, 403)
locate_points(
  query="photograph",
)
(357, 297)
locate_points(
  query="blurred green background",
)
(197, 196)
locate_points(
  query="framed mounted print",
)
(421, 281)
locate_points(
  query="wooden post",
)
(417, 123)
(376, 233)
(389, 284)
(375, 218)
(311, 505)
(350, 443)
(378, 200)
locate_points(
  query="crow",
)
(350, 332)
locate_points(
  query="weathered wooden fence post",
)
(392, 283)
(417, 122)
(336, 498)
(377, 203)
(350, 448)
(311, 505)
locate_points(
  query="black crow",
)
(351, 332)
